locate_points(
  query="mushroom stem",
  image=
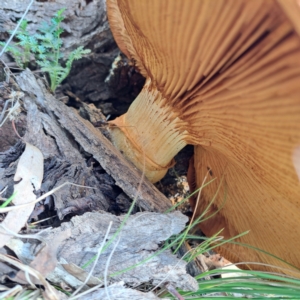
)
(150, 134)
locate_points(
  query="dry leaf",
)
(45, 261)
(29, 177)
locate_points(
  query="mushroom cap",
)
(231, 71)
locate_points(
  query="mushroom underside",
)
(223, 76)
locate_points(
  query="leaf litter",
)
(58, 254)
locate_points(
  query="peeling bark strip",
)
(127, 177)
(138, 240)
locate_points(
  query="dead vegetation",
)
(56, 169)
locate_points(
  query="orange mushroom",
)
(224, 76)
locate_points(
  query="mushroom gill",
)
(224, 76)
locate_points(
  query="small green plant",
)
(249, 285)
(21, 50)
(8, 201)
(45, 47)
